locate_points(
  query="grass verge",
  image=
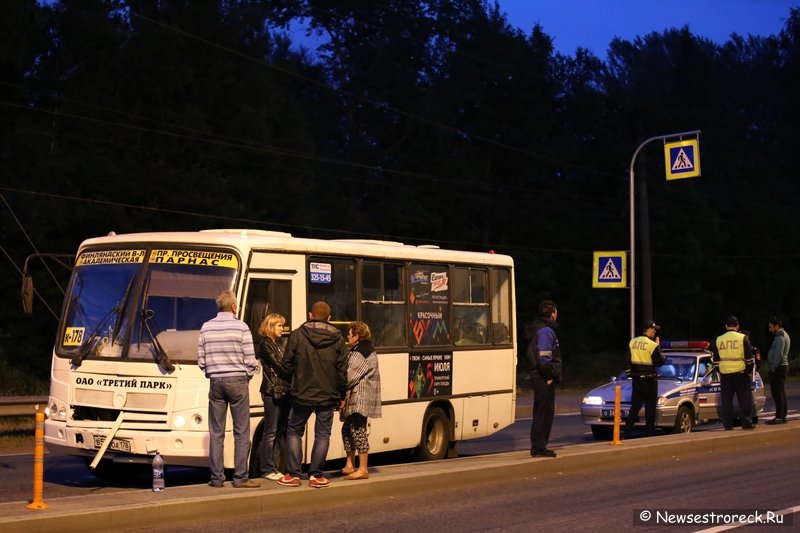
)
(17, 431)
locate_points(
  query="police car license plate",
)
(609, 413)
(120, 445)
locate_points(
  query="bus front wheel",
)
(435, 435)
(108, 471)
(255, 452)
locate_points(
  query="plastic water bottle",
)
(158, 473)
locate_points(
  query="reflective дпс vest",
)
(730, 347)
(642, 349)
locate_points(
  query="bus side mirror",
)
(27, 294)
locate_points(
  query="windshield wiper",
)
(94, 339)
(91, 344)
(159, 353)
(121, 313)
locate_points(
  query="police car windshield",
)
(677, 367)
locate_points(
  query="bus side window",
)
(265, 296)
(470, 307)
(382, 302)
(333, 280)
(500, 299)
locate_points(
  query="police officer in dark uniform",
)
(544, 360)
(735, 355)
(646, 356)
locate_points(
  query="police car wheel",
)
(684, 420)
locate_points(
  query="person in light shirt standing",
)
(226, 354)
(778, 361)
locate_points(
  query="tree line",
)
(431, 122)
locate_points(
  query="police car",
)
(688, 392)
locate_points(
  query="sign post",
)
(684, 167)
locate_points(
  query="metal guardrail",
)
(21, 405)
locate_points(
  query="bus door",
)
(265, 295)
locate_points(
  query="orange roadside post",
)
(616, 441)
(38, 465)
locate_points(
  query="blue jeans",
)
(298, 416)
(273, 439)
(223, 392)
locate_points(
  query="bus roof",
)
(246, 240)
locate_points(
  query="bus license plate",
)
(120, 445)
(609, 413)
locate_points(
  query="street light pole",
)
(633, 219)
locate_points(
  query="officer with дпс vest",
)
(646, 356)
(735, 355)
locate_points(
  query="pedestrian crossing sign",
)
(610, 270)
(682, 159)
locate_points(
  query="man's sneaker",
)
(273, 476)
(543, 453)
(289, 481)
(249, 484)
(216, 484)
(317, 482)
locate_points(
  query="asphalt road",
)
(591, 486)
(599, 499)
(67, 476)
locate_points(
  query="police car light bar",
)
(685, 345)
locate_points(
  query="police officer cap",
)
(647, 324)
(731, 321)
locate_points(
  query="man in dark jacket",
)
(315, 362)
(544, 360)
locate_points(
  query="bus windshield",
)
(142, 304)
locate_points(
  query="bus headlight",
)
(179, 421)
(54, 412)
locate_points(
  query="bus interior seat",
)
(499, 333)
(392, 335)
(259, 311)
(181, 344)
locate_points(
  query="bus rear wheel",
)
(435, 435)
